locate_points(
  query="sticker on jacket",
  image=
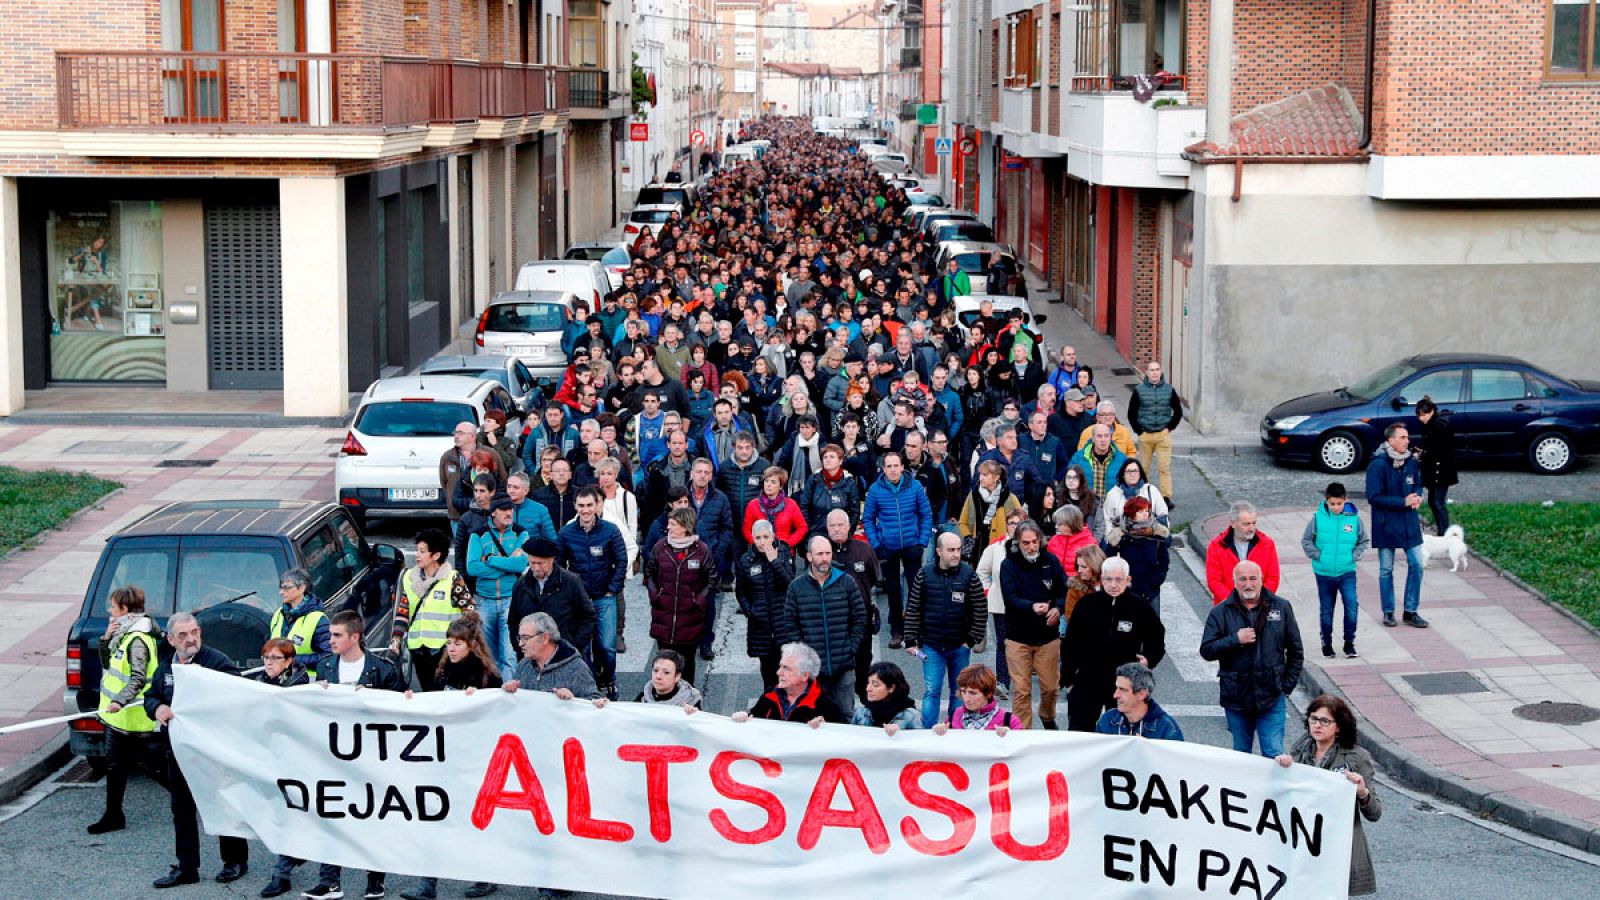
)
(1124, 626)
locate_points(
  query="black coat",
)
(1148, 557)
(946, 609)
(817, 499)
(1253, 676)
(1438, 453)
(160, 692)
(563, 598)
(761, 586)
(831, 619)
(1105, 632)
(376, 672)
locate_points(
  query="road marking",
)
(1193, 710)
(1184, 629)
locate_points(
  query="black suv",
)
(221, 560)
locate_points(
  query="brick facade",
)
(1146, 331)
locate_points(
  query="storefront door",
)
(244, 296)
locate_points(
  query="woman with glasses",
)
(281, 667)
(1330, 743)
(301, 620)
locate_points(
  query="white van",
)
(739, 153)
(583, 277)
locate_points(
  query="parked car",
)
(973, 258)
(528, 325)
(683, 193)
(388, 466)
(1500, 407)
(613, 256)
(916, 215)
(651, 216)
(582, 277)
(507, 371)
(221, 560)
(934, 219)
(918, 198)
(895, 163)
(739, 153)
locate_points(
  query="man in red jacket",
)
(1241, 540)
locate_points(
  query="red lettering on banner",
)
(511, 756)
(1055, 842)
(656, 759)
(964, 820)
(862, 813)
(777, 819)
(580, 819)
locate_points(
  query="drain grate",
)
(185, 463)
(1123, 370)
(1552, 713)
(1439, 683)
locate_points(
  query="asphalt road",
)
(1422, 848)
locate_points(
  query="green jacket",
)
(1335, 542)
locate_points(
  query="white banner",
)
(642, 800)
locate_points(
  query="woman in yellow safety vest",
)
(429, 597)
(127, 660)
(301, 620)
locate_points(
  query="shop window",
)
(107, 307)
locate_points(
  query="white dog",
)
(1453, 543)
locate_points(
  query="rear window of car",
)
(206, 572)
(650, 216)
(616, 256)
(970, 316)
(978, 263)
(663, 195)
(593, 254)
(413, 418)
(526, 317)
(971, 231)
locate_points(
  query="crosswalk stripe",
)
(1193, 710)
(1184, 628)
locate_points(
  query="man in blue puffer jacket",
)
(1394, 488)
(899, 523)
(596, 552)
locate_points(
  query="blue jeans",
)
(1265, 726)
(940, 667)
(1413, 578)
(605, 640)
(496, 636)
(1329, 587)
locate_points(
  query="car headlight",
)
(1288, 424)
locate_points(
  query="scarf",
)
(883, 711)
(771, 506)
(991, 500)
(833, 480)
(978, 721)
(1398, 456)
(677, 474)
(682, 543)
(807, 459)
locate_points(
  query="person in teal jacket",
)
(495, 560)
(1334, 539)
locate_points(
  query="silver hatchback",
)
(529, 325)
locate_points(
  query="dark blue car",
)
(1500, 408)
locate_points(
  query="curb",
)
(34, 768)
(1425, 776)
(176, 420)
(1583, 623)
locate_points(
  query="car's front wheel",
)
(1339, 452)
(1551, 453)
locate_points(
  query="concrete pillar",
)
(452, 193)
(316, 369)
(1219, 73)
(482, 289)
(10, 300)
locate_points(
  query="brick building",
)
(209, 194)
(1244, 179)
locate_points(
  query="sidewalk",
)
(1065, 328)
(42, 587)
(1439, 706)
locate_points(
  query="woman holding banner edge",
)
(1330, 743)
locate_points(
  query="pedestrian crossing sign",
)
(941, 146)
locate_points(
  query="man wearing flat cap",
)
(494, 560)
(548, 588)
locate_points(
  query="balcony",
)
(591, 90)
(308, 105)
(1113, 139)
(910, 57)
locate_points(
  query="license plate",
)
(527, 350)
(413, 493)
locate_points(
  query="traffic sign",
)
(697, 137)
(638, 131)
(968, 145)
(941, 146)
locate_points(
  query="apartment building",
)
(214, 194)
(661, 48)
(740, 62)
(1274, 197)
